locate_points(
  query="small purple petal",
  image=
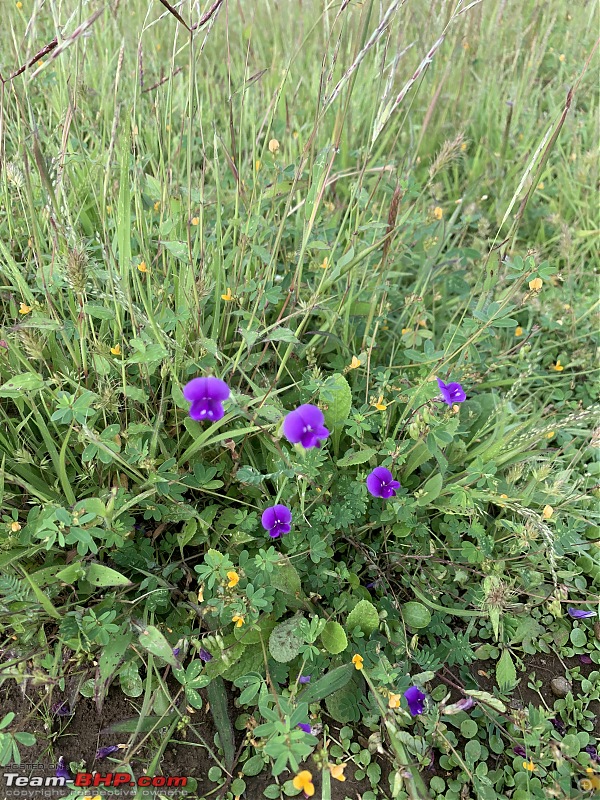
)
(592, 753)
(519, 750)
(579, 613)
(304, 726)
(585, 659)
(204, 655)
(104, 752)
(304, 679)
(416, 700)
(461, 705)
(305, 426)
(62, 770)
(277, 520)
(176, 651)
(559, 725)
(381, 483)
(451, 392)
(62, 709)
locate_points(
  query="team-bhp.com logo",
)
(94, 779)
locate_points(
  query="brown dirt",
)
(77, 738)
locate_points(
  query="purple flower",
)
(62, 770)
(559, 725)
(304, 679)
(451, 392)
(519, 750)
(381, 483)
(304, 726)
(176, 651)
(206, 396)
(585, 659)
(579, 613)
(592, 753)
(462, 705)
(204, 655)
(305, 425)
(104, 752)
(62, 709)
(416, 700)
(277, 520)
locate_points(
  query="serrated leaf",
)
(284, 643)
(335, 397)
(364, 615)
(506, 674)
(351, 459)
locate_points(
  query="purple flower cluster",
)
(304, 426)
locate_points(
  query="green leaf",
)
(284, 643)
(254, 766)
(152, 640)
(143, 725)
(365, 616)
(416, 615)
(335, 398)
(351, 459)
(99, 312)
(219, 706)
(330, 682)
(506, 674)
(489, 699)
(99, 575)
(26, 382)
(334, 637)
(285, 577)
(431, 490)
(111, 657)
(178, 249)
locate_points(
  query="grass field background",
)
(327, 203)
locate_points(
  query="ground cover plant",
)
(297, 398)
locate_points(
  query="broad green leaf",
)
(351, 459)
(284, 643)
(506, 674)
(432, 488)
(152, 640)
(99, 575)
(335, 398)
(219, 706)
(330, 682)
(26, 382)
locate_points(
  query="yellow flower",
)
(337, 771)
(561, 57)
(504, 496)
(541, 185)
(423, 323)
(95, 797)
(157, 206)
(25, 309)
(142, 266)
(405, 330)
(547, 512)
(201, 594)
(227, 296)
(529, 766)
(294, 134)
(550, 435)
(14, 526)
(558, 367)
(195, 221)
(109, 210)
(325, 263)
(19, 5)
(303, 781)
(158, 45)
(358, 661)
(394, 701)
(234, 579)
(273, 146)
(379, 404)
(355, 363)
(116, 350)
(239, 620)
(518, 331)
(438, 212)
(536, 284)
(463, 146)
(257, 164)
